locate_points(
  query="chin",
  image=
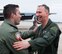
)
(17, 23)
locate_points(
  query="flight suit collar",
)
(49, 22)
(10, 23)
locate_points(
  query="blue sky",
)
(29, 6)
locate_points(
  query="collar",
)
(10, 23)
(49, 22)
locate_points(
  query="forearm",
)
(38, 43)
(45, 40)
(27, 34)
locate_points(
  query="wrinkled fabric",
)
(46, 40)
(7, 38)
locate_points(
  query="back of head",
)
(9, 9)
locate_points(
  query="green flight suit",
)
(45, 40)
(7, 38)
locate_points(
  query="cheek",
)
(17, 17)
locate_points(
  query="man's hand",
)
(21, 44)
(34, 30)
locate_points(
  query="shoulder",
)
(55, 28)
(5, 28)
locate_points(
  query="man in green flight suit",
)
(46, 38)
(8, 30)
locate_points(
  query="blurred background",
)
(29, 6)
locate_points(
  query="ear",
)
(12, 15)
(47, 12)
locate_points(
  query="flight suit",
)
(45, 40)
(7, 38)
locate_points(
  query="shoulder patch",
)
(54, 28)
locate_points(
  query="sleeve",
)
(47, 38)
(30, 33)
(27, 34)
(3, 48)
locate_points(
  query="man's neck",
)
(44, 23)
(12, 21)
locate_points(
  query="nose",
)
(37, 14)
